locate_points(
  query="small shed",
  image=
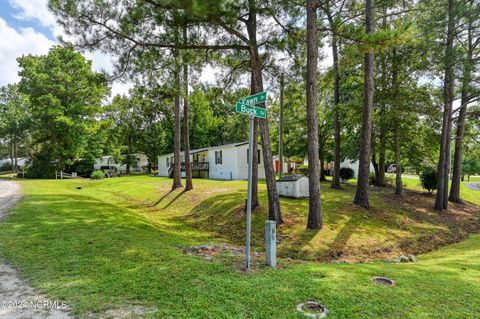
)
(295, 186)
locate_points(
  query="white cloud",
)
(16, 43)
(36, 10)
(26, 41)
(100, 61)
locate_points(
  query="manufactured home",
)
(139, 165)
(229, 162)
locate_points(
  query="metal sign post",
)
(245, 106)
(249, 193)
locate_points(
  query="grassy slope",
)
(100, 248)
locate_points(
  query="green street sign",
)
(248, 109)
(254, 99)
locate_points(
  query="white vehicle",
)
(392, 168)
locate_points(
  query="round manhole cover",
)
(312, 309)
(384, 281)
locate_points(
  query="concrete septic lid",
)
(291, 178)
(312, 309)
(384, 281)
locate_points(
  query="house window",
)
(258, 156)
(167, 162)
(218, 157)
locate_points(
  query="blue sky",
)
(14, 17)
(28, 27)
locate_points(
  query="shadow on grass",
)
(98, 256)
(174, 199)
(162, 198)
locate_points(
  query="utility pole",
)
(280, 128)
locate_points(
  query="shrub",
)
(389, 180)
(5, 166)
(428, 178)
(303, 169)
(346, 173)
(97, 175)
(40, 167)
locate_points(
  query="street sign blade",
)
(249, 110)
(254, 99)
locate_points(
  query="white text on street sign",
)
(249, 110)
(254, 99)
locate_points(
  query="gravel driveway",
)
(18, 299)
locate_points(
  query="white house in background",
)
(354, 165)
(227, 162)
(21, 161)
(141, 161)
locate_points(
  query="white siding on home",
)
(242, 162)
(233, 167)
(162, 165)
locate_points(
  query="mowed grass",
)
(118, 242)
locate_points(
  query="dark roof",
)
(229, 145)
(291, 178)
(212, 147)
(198, 150)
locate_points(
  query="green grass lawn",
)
(118, 242)
(474, 179)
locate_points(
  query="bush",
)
(428, 178)
(5, 166)
(346, 173)
(389, 180)
(40, 167)
(372, 178)
(97, 175)
(303, 169)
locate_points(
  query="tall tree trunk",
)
(396, 131)
(398, 163)
(361, 195)
(186, 133)
(177, 177)
(380, 177)
(448, 157)
(374, 157)
(12, 154)
(129, 151)
(322, 169)
(336, 114)
(280, 128)
(380, 180)
(16, 154)
(457, 161)
(315, 220)
(274, 212)
(254, 88)
(441, 201)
